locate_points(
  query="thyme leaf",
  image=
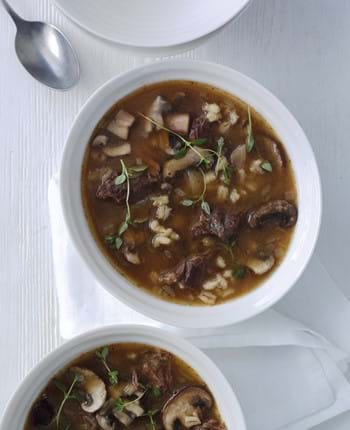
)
(239, 271)
(113, 375)
(187, 202)
(205, 207)
(267, 166)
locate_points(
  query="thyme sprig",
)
(220, 164)
(150, 414)
(250, 141)
(127, 173)
(67, 395)
(204, 204)
(120, 404)
(187, 144)
(113, 375)
(250, 144)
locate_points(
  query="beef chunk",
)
(140, 187)
(156, 370)
(189, 272)
(210, 425)
(219, 223)
(199, 127)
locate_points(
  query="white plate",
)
(151, 23)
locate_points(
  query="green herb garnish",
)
(67, 394)
(116, 241)
(204, 204)
(187, 202)
(119, 404)
(267, 166)
(239, 272)
(205, 207)
(150, 414)
(156, 392)
(250, 142)
(113, 375)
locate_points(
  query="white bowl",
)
(307, 182)
(19, 406)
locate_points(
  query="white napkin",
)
(296, 383)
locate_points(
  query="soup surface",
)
(122, 386)
(189, 192)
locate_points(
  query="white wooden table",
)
(299, 49)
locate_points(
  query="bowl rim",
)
(38, 377)
(145, 303)
(150, 47)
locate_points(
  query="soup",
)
(189, 193)
(122, 386)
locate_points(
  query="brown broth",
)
(104, 216)
(126, 358)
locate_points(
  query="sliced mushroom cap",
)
(272, 151)
(117, 150)
(104, 417)
(186, 406)
(261, 263)
(171, 167)
(94, 388)
(131, 255)
(100, 140)
(178, 122)
(238, 157)
(105, 422)
(131, 411)
(121, 123)
(155, 112)
(278, 212)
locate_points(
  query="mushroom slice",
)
(121, 124)
(238, 157)
(100, 140)
(171, 167)
(105, 423)
(130, 255)
(272, 151)
(186, 406)
(104, 417)
(118, 150)
(212, 112)
(178, 122)
(134, 409)
(261, 264)
(278, 212)
(94, 388)
(123, 417)
(155, 112)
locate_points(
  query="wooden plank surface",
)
(299, 49)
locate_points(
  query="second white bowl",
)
(19, 406)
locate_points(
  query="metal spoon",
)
(45, 52)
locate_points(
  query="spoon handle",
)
(16, 18)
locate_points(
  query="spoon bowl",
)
(45, 52)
